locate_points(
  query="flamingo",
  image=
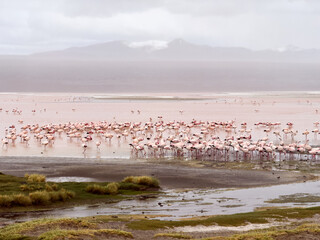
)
(306, 133)
(45, 142)
(98, 143)
(5, 142)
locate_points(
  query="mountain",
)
(175, 66)
(111, 50)
(181, 50)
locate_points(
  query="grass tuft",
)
(15, 200)
(6, 200)
(142, 180)
(35, 178)
(112, 188)
(21, 200)
(35, 198)
(96, 189)
(39, 198)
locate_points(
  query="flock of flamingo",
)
(198, 139)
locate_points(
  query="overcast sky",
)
(28, 26)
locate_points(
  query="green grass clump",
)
(82, 233)
(96, 189)
(35, 178)
(112, 188)
(142, 180)
(172, 235)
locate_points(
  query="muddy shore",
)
(170, 175)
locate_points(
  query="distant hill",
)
(181, 50)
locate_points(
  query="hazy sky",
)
(36, 25)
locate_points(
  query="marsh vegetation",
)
(32, 192)
(292, 222)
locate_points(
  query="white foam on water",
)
(71, 179)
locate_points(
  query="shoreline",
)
(175, 175)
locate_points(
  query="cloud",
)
(37, 25)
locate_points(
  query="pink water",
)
(297, 107)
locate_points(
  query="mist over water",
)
(23, 74)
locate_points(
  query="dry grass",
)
(96, 189)
(31, 187)
(52, 187)
(21, 200)
(142, 180)
(6, 200)
(38, 186)
(35, 178)
(112, 188)
(15, 200)
(61, 195)
(40, 197)
(35, 198)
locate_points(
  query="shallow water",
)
(283, 107)
(190, 203)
